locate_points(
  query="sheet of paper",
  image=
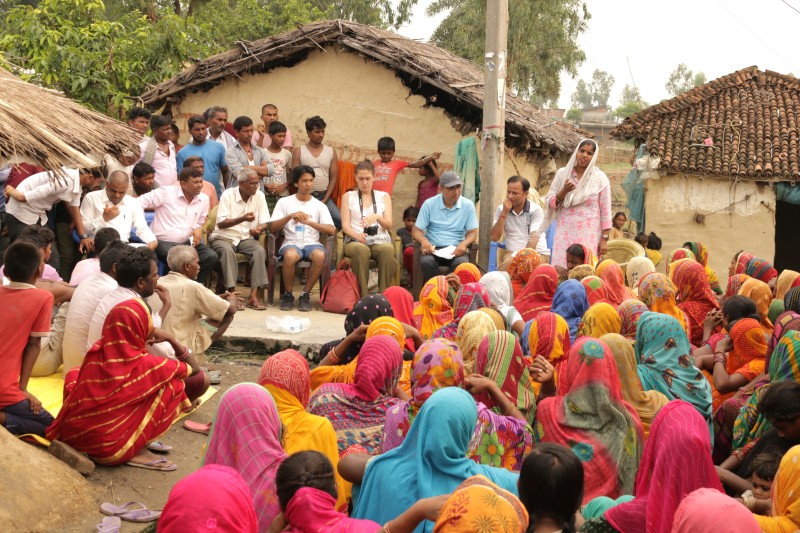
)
(445, 253)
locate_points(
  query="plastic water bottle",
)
(288, 324)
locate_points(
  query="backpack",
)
(341, 293)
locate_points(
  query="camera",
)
(371, 231)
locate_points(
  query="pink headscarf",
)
(312, 509)
(246, 436)
(214, 498)
(288, 370)
(710, 511)
(676, 462)
(377, 370)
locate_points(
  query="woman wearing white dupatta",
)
(579, 200)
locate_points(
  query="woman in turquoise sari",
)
(431, 461)
(666, 365)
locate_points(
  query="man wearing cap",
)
(445, 220)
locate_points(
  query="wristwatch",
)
(83, 236)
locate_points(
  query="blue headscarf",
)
(666, 365)
(570, 302)
(431, 461)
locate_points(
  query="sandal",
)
(140, 513)
(159, 447)
(110, 524)
(160, 464)
(257, 307)
(197, 427)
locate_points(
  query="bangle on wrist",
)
(333, 357)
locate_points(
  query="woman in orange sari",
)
(124, 397)
(747, 349)
(522, 267)
(761, 294)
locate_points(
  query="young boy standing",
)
(26, 321)
(277, 185)
(386, 168)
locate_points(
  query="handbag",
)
(341, 293)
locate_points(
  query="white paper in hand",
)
(448, 252)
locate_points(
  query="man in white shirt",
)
(217, 117)
(518, 220)
(302, 218)
(180, 212)
(242, 216)
(159, 151)
(113, 208)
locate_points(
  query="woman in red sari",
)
(537, 296)
(124, 397)
(694, 295)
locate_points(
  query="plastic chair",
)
(398, 254)
(493, 251)
(275, 263)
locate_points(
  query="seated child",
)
(26, 320)
(409, 218)
(765, 466)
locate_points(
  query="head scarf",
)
(676, 461)
(600, 319)
(760, 269)
(788, 320)
(742, 259)
(785, 496)
(646, 403)
(364, 312)
(785, 282)
(700, 251)
(212, 498)
(497, 318)
(389, 326)
(666, 365)
(522, 266)
(748, 354)
(479, 505)
(471, 331)
(678, 254)
(287, 370)
(629, 312)
(638, 267)
(657, 292)
(596, 291)
(581, 271)
(431, 461)
(735, 283)
(694, 295)
(761, 294)
(776, 309)
(471, 297)
(467, 273)
(437, 364)
(499, 286)
(614, 280)
(571, 304)
(402, 308)
(537, 296)
(592, 419)
(433, 310)
(791, 300)
(312, 509)
(589, 257)
(246, 436)
(693, 516)
(499, 358)
(547, 335)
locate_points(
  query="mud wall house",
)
(715, 157)
(366, 83)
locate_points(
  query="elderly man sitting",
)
(191, 302)
(242, 216)
(445, 220)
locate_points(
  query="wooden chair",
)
(398, 255)
(274, 264)
(208, 229)
(417, 281)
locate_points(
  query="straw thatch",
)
(444, 79)
(46, 128)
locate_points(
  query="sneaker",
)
(305, 302)
(287, 301)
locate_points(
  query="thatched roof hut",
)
(45, 127)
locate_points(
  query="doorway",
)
(787, 241)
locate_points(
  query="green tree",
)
(542, 40)
(574, 114)
(582, 97)
(631, 102)
(682, 79)
(594, 93)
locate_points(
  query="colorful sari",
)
(123, 397)
(677, 254)
(614, 280)
(654, 255)
(657, 292)
(522, 266)
(581, 271)
(467, 273)
(693, 516)
(599, 320)
(786, 281)
(646, 403)
(785, 497)
(312, 509)
(571, 304)
(471, 297)
(431, 461)
(593, 420)
(596, 291)
(675, 463)
(760, 269)
(246, 436)
(501, 295)
(480, 505)
(496, 317)
(402, 305)
(746, 358)
(547, 335)
(433, 310)
(787, 321)
(776, 309)
(537, 296)
(741, 261)
(630, 311)
(700, 251)
(638, 267)
(357, 411)
(286, 377)
(694, 295)
(471, 331)
(791, 301)
(761, 294)
(589, 257)
(735, 283)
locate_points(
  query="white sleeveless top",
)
(383, 235)
(320, 164)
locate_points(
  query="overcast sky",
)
(711, 36)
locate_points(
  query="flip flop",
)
(125, 512)
(259, 307)
(197, 427)
(159, 464)
(159, 447)
(110, 524)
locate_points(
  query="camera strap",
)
(361, 203)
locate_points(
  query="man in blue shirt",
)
(447, 219)
(211, 152)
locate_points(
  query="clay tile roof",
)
(751, 116)
(447, 81)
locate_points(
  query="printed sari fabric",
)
(364, 312)
(497, 318)
(537, 296)
(547, 335)
(646, 403)
(571, 304)
(630, 311)
(596, 291)
(663, 354)
(786, 281)
(791, 301)
(678, 254)
(735, 283)
(601, 318)
(480, 505)
(740, 262)
(589, 257)
(787, 321)
(694, 295)
(471, 297)
(700, 251)
(471, 331)
(522, 266)
(357, 411)
(761, 294)
(467, 273)
(594, 421)
(657, 292)
(614, 280)
(433, 310)
(123, 397)
(581, 271)
(785, 496)
(312, 509)
(760, 269)
(675, 463)
(747, 356)
(246, 436)
(402, 308)
(638, 267)
(776, 309)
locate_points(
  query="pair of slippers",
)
(131, 512)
